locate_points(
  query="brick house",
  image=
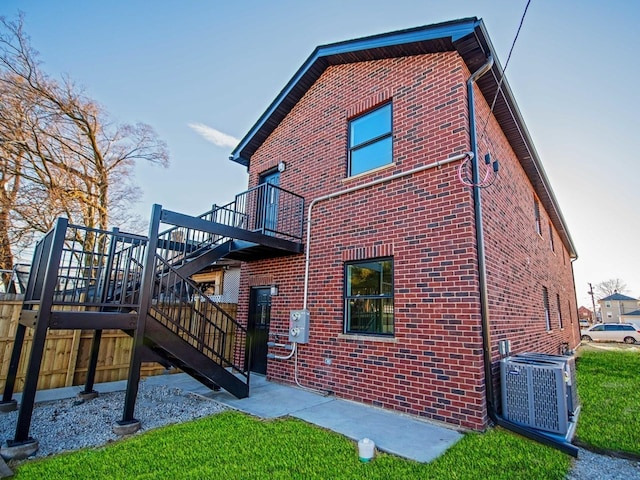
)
(413, 271)
(584, 313)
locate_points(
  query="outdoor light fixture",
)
(274, 290)
(282, 167)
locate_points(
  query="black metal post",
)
(146, 292)
(8, 404)
(97, 335)
(40, 334)
(93, 365)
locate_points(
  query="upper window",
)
(536, 211)
(553, 247)
(369, 297)
(370, 143)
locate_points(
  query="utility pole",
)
(593, 302)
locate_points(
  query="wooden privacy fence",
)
(66, 355)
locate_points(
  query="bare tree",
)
(609, 287)
(59, 151)
(12, 152)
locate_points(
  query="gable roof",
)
(468, 37)
(619, 297)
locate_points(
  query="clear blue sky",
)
(220, 64)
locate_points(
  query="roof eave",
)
(527, 154)
(466, 36)
(319, 60)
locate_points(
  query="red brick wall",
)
(520, 262)
(433, 366)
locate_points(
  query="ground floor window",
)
(369, 297)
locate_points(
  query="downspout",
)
(553, 441)
(482, 268)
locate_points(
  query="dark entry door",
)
(258, 328)
(269, 198)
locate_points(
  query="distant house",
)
(631, 317)
(413, 273)
(585, 317)
(220, 282)
(613, 307)
(585, 314)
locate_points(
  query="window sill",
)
(368, 172)
(367, 338)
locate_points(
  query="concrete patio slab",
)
(269, 399)
(392, 432)
(395, 433)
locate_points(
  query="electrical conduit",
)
(315, 201)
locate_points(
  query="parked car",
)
(635, 324)
(611, 332)
(584, 323)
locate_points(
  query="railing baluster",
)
(199, 321)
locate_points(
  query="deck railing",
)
(270, 210)
(96, 268)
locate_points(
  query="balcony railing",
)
(267, 209)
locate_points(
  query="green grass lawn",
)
(236, 446)
(232, 445)
(609, 389)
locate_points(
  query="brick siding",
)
(433, 366)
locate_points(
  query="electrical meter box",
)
(299, 326)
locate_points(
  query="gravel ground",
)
(591, 466)
(72, 424)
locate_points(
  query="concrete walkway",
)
(394, 433)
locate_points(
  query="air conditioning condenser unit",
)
(534, 393)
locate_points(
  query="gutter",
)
(555, 441)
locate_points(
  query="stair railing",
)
(177, 244)
(180, 306)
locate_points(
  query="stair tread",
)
(202, 368)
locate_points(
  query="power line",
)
(513, 44)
